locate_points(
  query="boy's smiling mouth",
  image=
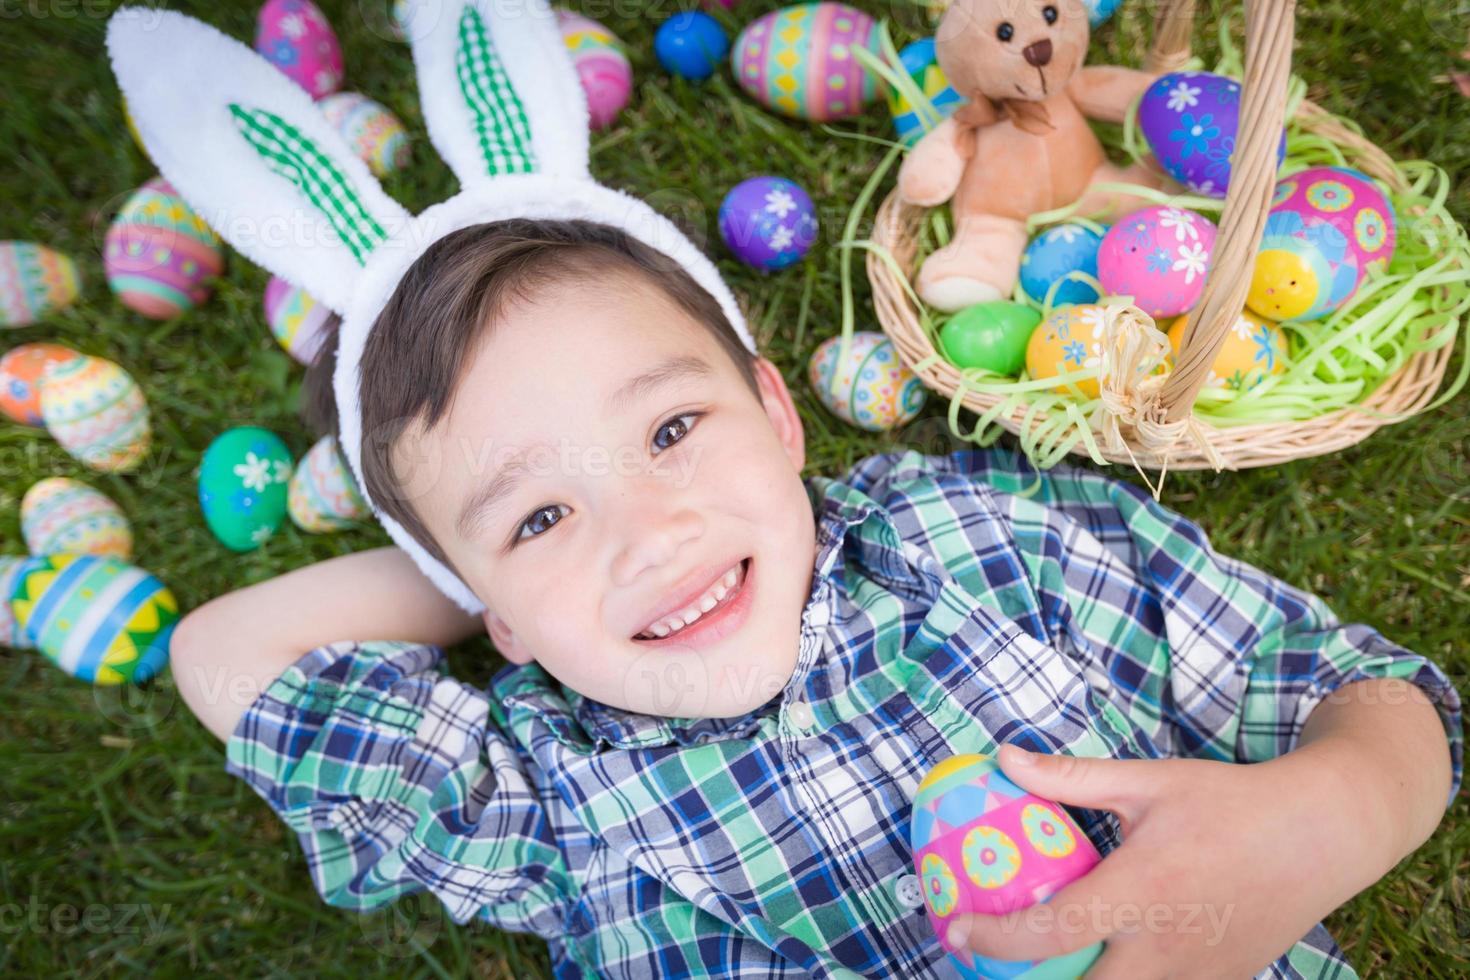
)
(697, 616)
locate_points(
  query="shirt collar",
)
(844, 516)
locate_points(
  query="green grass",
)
(118, 799)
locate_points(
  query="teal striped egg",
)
(99, 619)
(11, 634)
(34, 280)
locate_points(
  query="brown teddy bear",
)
(1020, 145)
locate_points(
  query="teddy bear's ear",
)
(247, 148)
(498, 89)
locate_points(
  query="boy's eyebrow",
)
(677, 368)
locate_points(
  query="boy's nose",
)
(653, 535)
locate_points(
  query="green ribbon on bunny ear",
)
(293, 155)
(500, 119)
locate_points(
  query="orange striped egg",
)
(20, 379)
(159, 255)
(61, 514)
(96, 411)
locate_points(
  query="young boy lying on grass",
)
(725, 681)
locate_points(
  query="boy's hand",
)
(1222, 869)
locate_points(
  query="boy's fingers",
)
(1120, 785)
(1077, 916)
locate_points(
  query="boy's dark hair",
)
(418, 347)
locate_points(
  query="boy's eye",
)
(673, 430)
(540, 521)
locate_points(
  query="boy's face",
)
(641, 481)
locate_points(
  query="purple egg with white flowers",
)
(1191, 120)
(1159, 256)
(768, 222)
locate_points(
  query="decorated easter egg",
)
(61, 514)
(1098, 11)
(1159, 256)
(601, 63)
(11, 634)
(374, 133)
(1191, 120)
(243, 482)
(984, 846)
(768, 222)
(322, 494)
(989, 335)
(159, 254)
(1068, 340)
(1254, 348)
(295, 37)
(691, 44)
(296, 320)
(1054, 254)
(1326, 227)
(96, 411)
(799, 62)
(34, 280)
(21, 370)
(875, 390)
(911, 121)
(97, 618)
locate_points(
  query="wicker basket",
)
(1151, 423)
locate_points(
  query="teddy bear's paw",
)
(957, 292)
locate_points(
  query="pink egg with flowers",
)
(294, 36)
(1159, 256)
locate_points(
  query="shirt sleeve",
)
(1212, 656)
(396, 780)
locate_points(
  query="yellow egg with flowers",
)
(1068, 340)
(1254, 348)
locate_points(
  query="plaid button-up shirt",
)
(957, 602)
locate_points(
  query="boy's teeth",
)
(687, 615)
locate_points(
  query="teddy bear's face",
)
(1011, 49)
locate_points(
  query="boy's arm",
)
(226, 652)
(1223, 866)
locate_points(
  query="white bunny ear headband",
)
(249, 150)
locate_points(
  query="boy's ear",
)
(781, 410)
(505, 641)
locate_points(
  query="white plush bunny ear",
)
(247, 148)
(498, 89)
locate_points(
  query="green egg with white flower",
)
(243, 486)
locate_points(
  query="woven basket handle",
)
(1269, 32)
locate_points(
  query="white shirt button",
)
(800, 715)
(908, 892)
(819, 615)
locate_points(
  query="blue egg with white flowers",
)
(691, 44)
(1052, 255)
